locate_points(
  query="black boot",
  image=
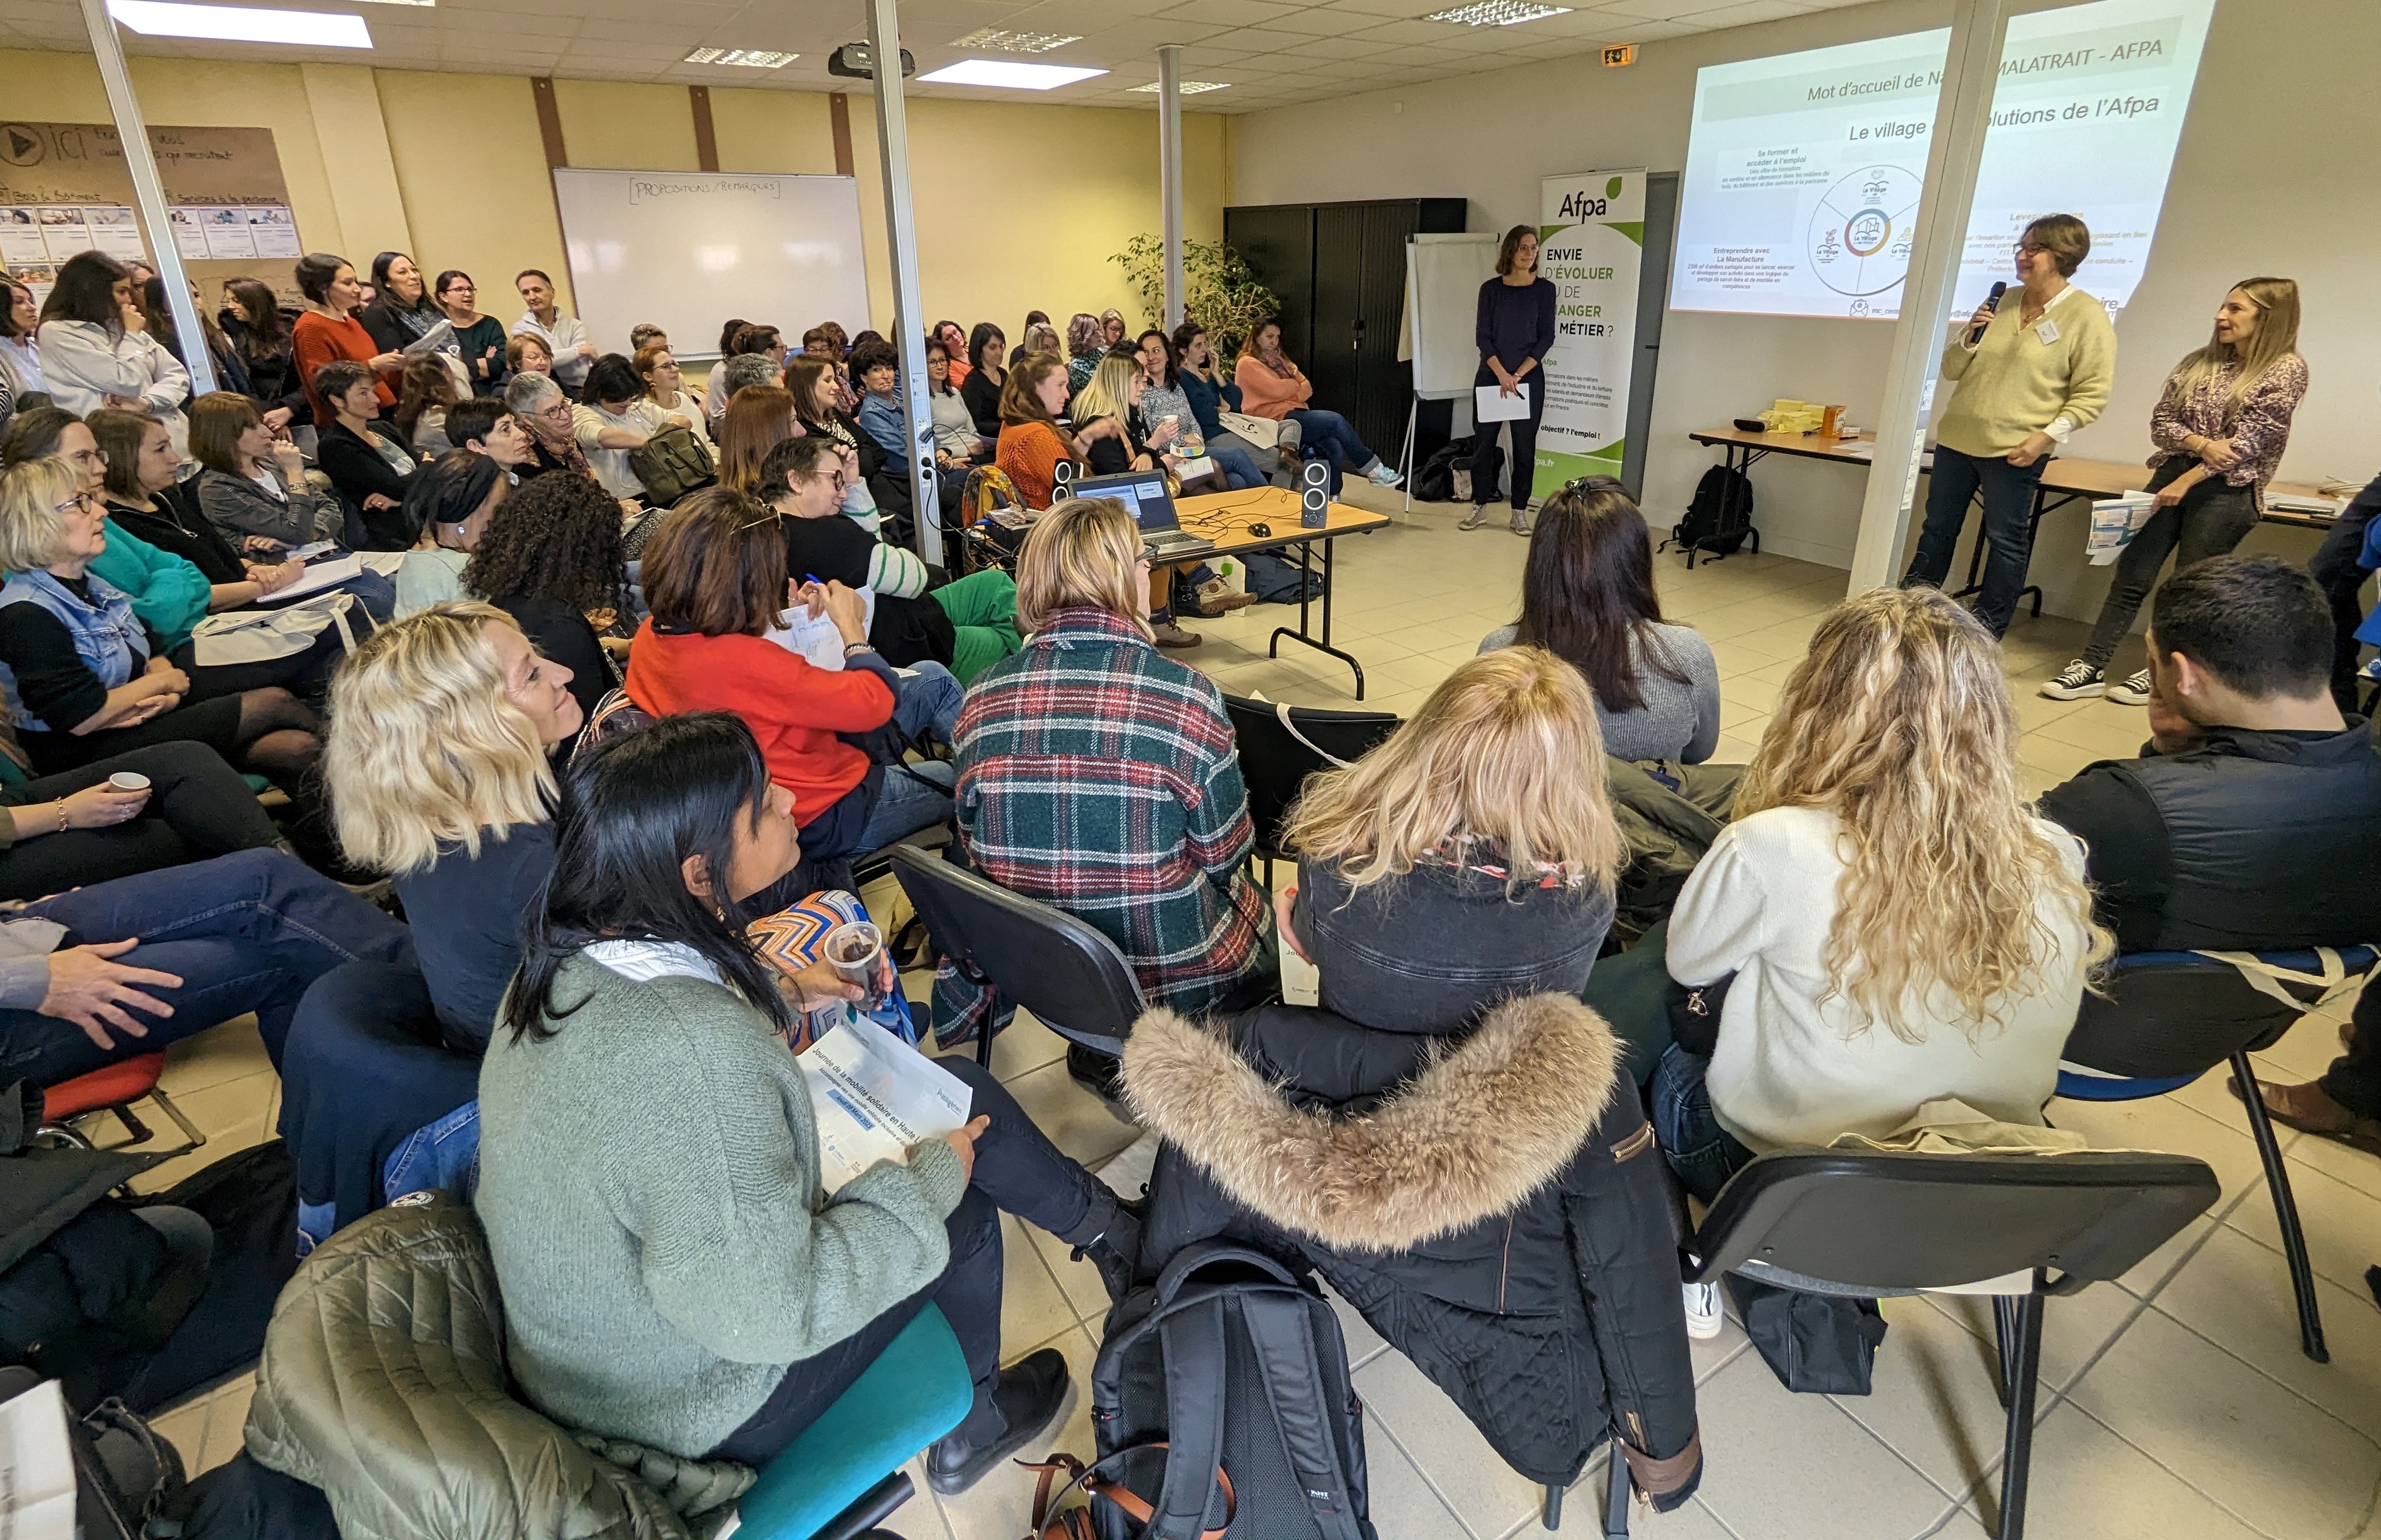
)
(1113, 1245)
(1019, 1406)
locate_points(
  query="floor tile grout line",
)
(2363, 1522)
(1420, 1469)
(2271, 1378)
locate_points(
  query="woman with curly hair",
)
(1086, 340)
(550, 557)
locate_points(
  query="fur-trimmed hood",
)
(1473, 1134)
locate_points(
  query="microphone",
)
(1976, 332)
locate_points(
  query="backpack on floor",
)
(1719, 517)
(1434, 482)
(1221, 1400)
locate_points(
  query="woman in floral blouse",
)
(2220, 427)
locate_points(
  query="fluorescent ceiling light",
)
(1008, 72)
(752, 58)
(1497, 13)
(1015, 42)
(241, 24)
(1189, 88)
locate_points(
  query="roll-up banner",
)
(1590, 236)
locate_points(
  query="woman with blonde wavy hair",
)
(1466, 859)
(1899, 925)
(436, 764)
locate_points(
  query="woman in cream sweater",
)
(2042, 369)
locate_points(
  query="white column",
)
(1962, 113)
(1169, 159)
(148, 193)
(909, 310)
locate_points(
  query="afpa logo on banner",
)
(1589, 244)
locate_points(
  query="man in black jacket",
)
(2253, 822)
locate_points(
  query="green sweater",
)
(2015, 383)
(649, 1184)
(167, 592)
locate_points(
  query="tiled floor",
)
(2175, 1407)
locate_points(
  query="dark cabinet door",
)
(1382, 384)
(1339, 306)
(1277, 242)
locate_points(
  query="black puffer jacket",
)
(1492, 1205)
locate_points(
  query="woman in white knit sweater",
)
(1899, 925)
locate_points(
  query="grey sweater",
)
(238, 506)
(649, 1183)
(1678, 721)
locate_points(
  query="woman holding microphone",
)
(2028, 370)
(1516, 326)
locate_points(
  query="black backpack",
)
(1435, 481)
(1220, 1399)
(1720, 516)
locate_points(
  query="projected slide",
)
(1804, 171)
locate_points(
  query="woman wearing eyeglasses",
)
(2025, 375)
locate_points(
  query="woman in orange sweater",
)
(714, 577)
(1273, 387)
(329, 330)
(1031, 442)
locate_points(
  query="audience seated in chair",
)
(759, 418)
(254, 489)
(967, 625)
(615, 419)
(69, 830)
(2252, 821)
(546, 410)
(1271, 385)
(129, 966)
(681, 1283)
(147, 499)
(439, 766)
(715, 579)
(550, 557)
(452, 503)
(484, 425)
(1587, 596)
(86, 680)
(1896, 923)
(1448, 1140)
(1200, 377)
(1098, 777)
(656, 366)
(986, 356)
(368, 459)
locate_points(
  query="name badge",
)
(2047, 331)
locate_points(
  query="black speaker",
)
(1062, 480)
(1313, 494)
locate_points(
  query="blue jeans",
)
(2009, 525)
(245, 931)
(1331, 438)
(903, 807)
(1240, 471)
(1704, 1153)
(927, 704)
(2336, 567)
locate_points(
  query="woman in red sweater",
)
(329, 330)
(715, 579)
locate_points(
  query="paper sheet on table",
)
(874, 1097)
(1490, 404)
(437, 339)
(37, 1476)
(2113, 523)
(318, 576)
(815, 640)
(1864, 448)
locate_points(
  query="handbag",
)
(1694, 1014)
(1263, 432)
(262, 635)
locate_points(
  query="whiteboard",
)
(1440, 331)
(686, 250)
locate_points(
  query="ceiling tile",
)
(1231, 13)
(1416, 33)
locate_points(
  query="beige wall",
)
(2272, 175)
(1018, 206)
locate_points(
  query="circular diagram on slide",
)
(1860, 232)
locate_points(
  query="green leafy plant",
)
(1218, 291)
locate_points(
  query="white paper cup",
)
(129, 781)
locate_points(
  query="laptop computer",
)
(1143, 492)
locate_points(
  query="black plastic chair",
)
(1068, 975)
(2167, 1019)
(1872, 1225)
(1275, 761)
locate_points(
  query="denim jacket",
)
(107, 636)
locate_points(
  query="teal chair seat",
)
(843, 1472)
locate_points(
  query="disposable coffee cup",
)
(129, 781)
(854, 950)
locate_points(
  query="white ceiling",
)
(1272, 52)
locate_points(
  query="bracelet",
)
(62, 817)
(852, 647)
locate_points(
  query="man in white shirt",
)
(564, 335)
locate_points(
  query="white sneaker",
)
(2134, 691)
(2078, 681)
(1384, 474)
(1703, 1317)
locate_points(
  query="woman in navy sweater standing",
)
(1515, 328)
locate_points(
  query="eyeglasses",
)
(2028, 248)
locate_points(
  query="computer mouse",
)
(1260, 529)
